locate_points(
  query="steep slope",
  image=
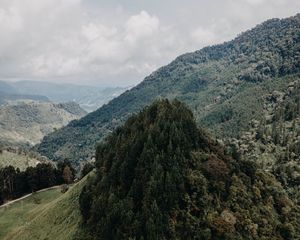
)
(59, 219)
(160, 177)
(274, 141)
(28, 123)
(17, 214)
(222, 84)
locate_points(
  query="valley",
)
(206, 147)
(27, 123)
(87, 97)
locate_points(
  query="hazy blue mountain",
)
(88, 97)
(10, 95)
(7, 88)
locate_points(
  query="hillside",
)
(28, 123)
(222, 84)
(161, 177)
(13, 98)
(19, 158)
(58, 219)
(274, 141)
(16, 215)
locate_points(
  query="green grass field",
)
(19, 214)
(56, 217)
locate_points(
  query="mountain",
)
(88, 97)
(28, 123)
(225, 86)
(54, 218)
(161, 177)
(19, 158)
(6, 88)
(10, 95)
(8, 99)
(274, 141)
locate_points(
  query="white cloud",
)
(204, 36)
(93, 31)
(116, 43)
(255, 2)
(141, 26)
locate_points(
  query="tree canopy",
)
(161, 177)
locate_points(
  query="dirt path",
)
(26, 196)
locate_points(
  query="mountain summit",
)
(160, 177)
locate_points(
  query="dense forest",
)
(273, 141)
(161, 177)
(15, 183)
(224, 85)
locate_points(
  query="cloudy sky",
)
(117, 42)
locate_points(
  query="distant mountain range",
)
(9, 95)
(225, 85)
(27, 123)
(88, 97)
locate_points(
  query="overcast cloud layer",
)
(117, 42)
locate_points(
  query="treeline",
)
(15, 183)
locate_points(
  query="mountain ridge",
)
(88, 97)
(207, 80)
(26, 123)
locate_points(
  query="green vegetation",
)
(59, 219)
(273, 142)
(224, 86)
(18, 214)
(19, 158)
(160, 177)
(26, 123)
(15, 183)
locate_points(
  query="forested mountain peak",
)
(160, 177)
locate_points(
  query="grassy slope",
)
(16, 215)
(58, 219)
(20, 161)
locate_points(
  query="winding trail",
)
(26, 196)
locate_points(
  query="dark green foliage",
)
(87, 167)
(60, 171)
(160, 177)
(14, 183)
(232, 76)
